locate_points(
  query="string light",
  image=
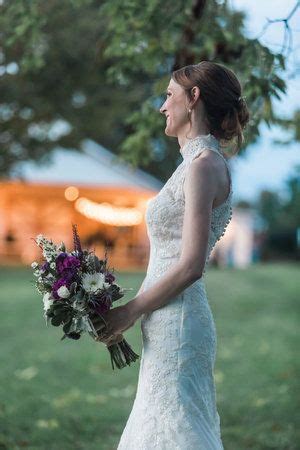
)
(109, 214)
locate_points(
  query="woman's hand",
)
(115, 339)
(118, 320)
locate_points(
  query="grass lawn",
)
(64, 395)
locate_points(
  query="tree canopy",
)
(76, 69)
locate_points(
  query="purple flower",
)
(101, 308)
(101, 303)
(109, 278)
(58, 283)
(65, 262)
(45, 267)
(76, 238)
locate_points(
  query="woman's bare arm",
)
(141, 287)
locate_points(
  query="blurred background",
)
(82, 142)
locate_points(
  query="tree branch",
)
(184, 57)
(288, 32)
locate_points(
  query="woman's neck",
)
(194, 132)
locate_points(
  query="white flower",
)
(52, 265)
(48, 247)
(37, 273)
(49, 277)
(34, 265)
(49, 253)
(61, 247)
(106, 285)
(47, 301)
(91, 282)
(39, 239)
(63, 292)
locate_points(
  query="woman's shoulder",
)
(212, 168)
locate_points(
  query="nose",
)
(162, 109)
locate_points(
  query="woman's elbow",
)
(196, 275)
(192, 271)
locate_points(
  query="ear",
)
(195, 91)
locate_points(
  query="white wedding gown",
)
(175, 403)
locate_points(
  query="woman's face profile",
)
(175, 109)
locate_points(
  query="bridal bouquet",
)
(77, 286)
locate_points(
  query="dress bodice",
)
(165, 212)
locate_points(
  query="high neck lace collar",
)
(191, 147)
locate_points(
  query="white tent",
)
(94, 165)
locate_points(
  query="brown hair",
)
(226, 110)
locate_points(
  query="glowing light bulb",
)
(71, 193)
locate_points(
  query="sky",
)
(265, 165)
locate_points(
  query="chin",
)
(169, 132)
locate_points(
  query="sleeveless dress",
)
(175, 402)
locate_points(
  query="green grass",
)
(63, 395)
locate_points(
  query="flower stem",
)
(120, 351)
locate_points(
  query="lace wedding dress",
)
(175, 402)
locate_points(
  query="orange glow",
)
(28, 209)
(71, 193)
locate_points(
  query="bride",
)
(175, 402)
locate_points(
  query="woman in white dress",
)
(175, 403)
